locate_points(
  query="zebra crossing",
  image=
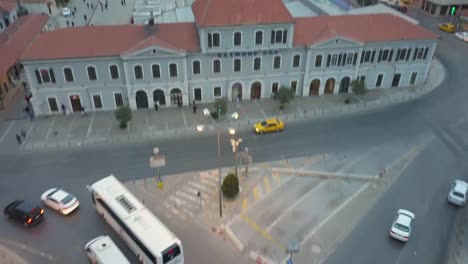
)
(184, 203)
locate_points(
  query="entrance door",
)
(256, 90)
(75, 103)
(158, 96)
(236, 92)
(141, 99)
(330, 86)
(396, 79)
(176, 96)
(314, 87)
(344, 85)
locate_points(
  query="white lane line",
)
(49, 130)
(285, 212)
(7, 131)
(334, 212)
(90, 127)
(27, 135)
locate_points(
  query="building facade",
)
(8, 13)
(444, 7)
(246, 55)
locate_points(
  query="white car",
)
(60, 200)
(462, 36)
(402, 225)
(457, 194)
(66, 11)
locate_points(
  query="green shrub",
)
(347, 100)
(230, 186)
(123, 114)
(358, 87)
(220, 106)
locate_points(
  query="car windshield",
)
(51, 193)
(264, 123)
(67, 199)
(461, 195)
(401, 227)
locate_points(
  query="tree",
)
(220, 107)
(230, 186)
(358, 87)
(285, 95)
(123, 114)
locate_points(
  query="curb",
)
(234, 238)
(326, 174)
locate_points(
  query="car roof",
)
(59, 195)
(460, 186)
(25, 206)
(403, 219)
(272, 120)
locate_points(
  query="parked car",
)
(60, 200)
(457, 194)
(462, 36)
(269, 125)
(66, 12)
(402, 225)
(24, 212)
(447, 27)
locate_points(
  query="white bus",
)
(144, 233)
(102, 250)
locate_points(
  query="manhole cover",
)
(316, 249)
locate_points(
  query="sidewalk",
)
(9, 257)
(100, 128)
(458, 246)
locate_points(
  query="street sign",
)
(157, 161)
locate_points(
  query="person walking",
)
(194, 107)
(102, 7)
(64, 110)
(84, 18)
(156, 107)
(68, 23)
(18, 139)
(106, 6)
(87, 4)
(73, 14)
(83, 112)
(73, 24)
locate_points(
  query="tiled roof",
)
(8, 5)
(212, 13)
(17, 37)
(99, 41)
(362, 28)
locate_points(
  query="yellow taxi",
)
(269, 125)
(447, 27)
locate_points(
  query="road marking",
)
(49, 130)
(256, 193)
(6, 131)
(245, 204)
(27, 135)
(260, 230)
(277, 178)
(90, 127)
(334, 212)
(266, 183)
(285, 212)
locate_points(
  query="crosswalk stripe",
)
(266, 183)
(189, 189)
(200, 187)
(256, 193)
(245, 204)
(209, 182)
(277, 178)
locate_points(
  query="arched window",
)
(156, 71)
(91, 73)
(114, 72)
(216, 66)
(173, 70)
(196, 67)
(68, 75)
(259, 38)
(138, 70)
(237, 39)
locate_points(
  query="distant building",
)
(239, 50)
(8, 13)
(14, 41)
(442, 7)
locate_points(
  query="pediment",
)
(338, 42)
(152, 51)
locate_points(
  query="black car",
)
(24, 212)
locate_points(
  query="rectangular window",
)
(339, 59)
(52, 75)
(402, 54)
(156, 71)
(355, 58)
(385, 55)
(173, 70)
(397, 57)
(257, 64)
(408, 54)
(217, 91)
(45, 76)
(285, 36)
(272, 37)
(196, 67)
(68, 75)
(296, 61)
(328, 60)
(390, 55)
(114, 72)
(349, 60)
(415, 53)
(210, 40)
(426, 50)
(197, 94)
(379, 59)
(318, 61)
(216, 66)
(278, 36)
(237, 65)
(97, 101)
(343, 63)
(372, 56)
(38, 77)
(378, 83)
(274, 87)
(216, 40)
(413, 78)
(259, 38)
(334, 60)
(118, 99)
(53, 104)
(294, 86)
(276, 62)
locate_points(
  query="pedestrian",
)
(83, 112)
(73, 14)
(106, 5)
(84, 18)
(156, 107)
(73, 24)
(27, 98)
(68, 23)
(24, 86)
(74, 8)
(23, 133)
(102, 7)
(64, 110)
(121, 2)
(18, 139)
(87, 4)
(92, 6)
(194, 107)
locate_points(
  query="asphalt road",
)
(28, 175)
